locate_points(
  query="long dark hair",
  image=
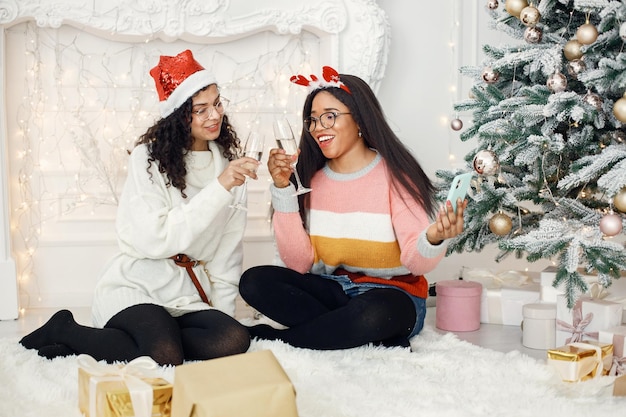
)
(367, 112)
(169, 140)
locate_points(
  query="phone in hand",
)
(459, 187)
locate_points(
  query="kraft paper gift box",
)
(585, 320)
(245, 385)
(504, 294)
(580, 361)
(132, 390)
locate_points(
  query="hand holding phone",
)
(459, 187)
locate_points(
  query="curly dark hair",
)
(169, 140)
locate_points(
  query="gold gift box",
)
(112, 398)
(578, 361)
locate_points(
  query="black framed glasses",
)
(327, 120)
(204, 113)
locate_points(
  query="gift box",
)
(245, 385)
(616, 292)
(580, 361)
(616, 336)
(586, 319)
(458, 305)
(619, 386)
(504, 294)
(539, 325)
(136, 389)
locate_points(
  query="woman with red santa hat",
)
(170, 292)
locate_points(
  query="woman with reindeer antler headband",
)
(356, 247)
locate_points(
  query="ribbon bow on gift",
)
(618, 367)
(503, 279)
(577, 328)
(141, 394)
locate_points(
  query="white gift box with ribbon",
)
(504, 294)
(585, 319)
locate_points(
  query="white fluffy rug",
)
(443, 376)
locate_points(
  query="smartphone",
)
(458, 188)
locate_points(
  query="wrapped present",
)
(585, 320)
(504, 294)
(136, 389)
(616, 336)
(619, 386)
(616, 292)
(458, 305)
(580, 361)
(249, 384)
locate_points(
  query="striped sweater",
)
(358, 223)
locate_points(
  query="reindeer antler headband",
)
(331, 79)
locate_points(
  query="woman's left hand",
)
(448, 223)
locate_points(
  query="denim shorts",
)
(352, 289)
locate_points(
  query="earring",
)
(360, 134)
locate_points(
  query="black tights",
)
(319, 315)
(143, 330)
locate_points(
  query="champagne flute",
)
(253, 148)
(286, 140)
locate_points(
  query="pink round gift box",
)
(458, 305)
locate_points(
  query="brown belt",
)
(186, 262)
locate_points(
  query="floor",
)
(492, 336)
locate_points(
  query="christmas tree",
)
(549, 119)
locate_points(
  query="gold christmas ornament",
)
(619, 109)
(572, 50)
(533, 34)
(486, 162)
(557, 82)
(619, 200)
(515, 7)
(500, 224)
(611, 224)
(530, 16)
(587, 34)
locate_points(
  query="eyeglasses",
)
(327, 120)
(204, 113)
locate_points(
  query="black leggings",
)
(143, 330)
(319, 315)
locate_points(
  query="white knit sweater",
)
(155, 222)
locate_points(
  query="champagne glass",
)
(286, 140)
(253, 148)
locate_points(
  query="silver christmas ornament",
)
(492, 4)
(557, 82)
(533, 34)
(593, 99)
(611, 224)
(489, 75)
(456, 124)
(575, 67)
(486, 162)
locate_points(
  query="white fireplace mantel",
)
(354, 38)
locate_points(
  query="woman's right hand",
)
(236, 172)
(279, 166)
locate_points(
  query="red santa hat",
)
(177, 78)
